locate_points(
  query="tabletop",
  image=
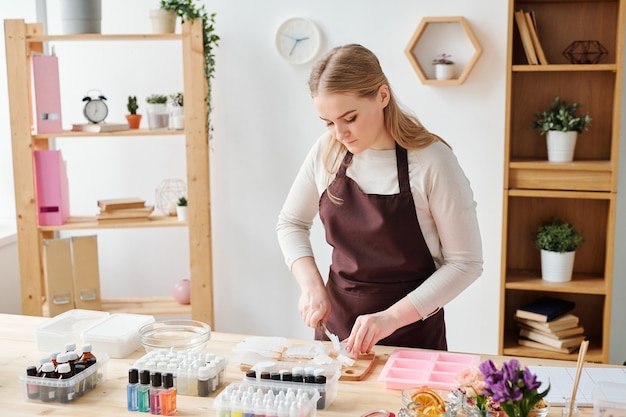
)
(18, 350)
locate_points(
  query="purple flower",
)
(515, 389)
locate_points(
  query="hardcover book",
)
(544, 309)
(121, 203)
(99, 127)
(537, 345)
(565, 321)
(547, 340)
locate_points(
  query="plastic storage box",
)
(609, 399)
(327, 391)
(65, 390)
(267, 399)
(117, 335)
(66, 328)
(407, 367)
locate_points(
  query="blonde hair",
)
(354, 69)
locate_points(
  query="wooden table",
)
(18, 350)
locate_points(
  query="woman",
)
(396, 208)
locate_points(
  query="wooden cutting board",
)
(360, 369)
(356, 372)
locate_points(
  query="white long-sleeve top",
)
(444, 204)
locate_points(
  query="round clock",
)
(298, 40)
(95, 109)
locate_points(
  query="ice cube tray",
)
(436, 369)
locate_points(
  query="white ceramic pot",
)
(557, 267)
(163, 21)
(81, 16)
(177, 118)
(181, 212)
(561, 145)
(444, 71)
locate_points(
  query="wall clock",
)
(298, 40)
(95, 109)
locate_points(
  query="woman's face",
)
(356, 122)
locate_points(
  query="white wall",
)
(264, 124)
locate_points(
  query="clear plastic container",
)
(66, 327)
(327, 391)
(52, 390)
(609, 399)
(118, 334)
(242, 397)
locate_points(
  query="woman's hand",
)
(370, 329)
(313, 304)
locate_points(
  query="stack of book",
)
(123, 209)
(547, 324)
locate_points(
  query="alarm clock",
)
(96, 109)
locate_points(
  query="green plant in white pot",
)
(181, 208)
(561, 124)
(558, 240)
(158, 116)
(444, 67)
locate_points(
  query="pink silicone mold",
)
(406, 368)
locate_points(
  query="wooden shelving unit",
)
(22, 40)
(582, 191)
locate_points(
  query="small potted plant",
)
(158, 117)
(444, 67)
(181, 208)
(134, 119)
(558, 240)
(561, 125)
(177, 113)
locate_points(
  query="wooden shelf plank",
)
(564, 67)
(90, 222)
(37, 37)
(130, 132)
(154, 306)
(531, 281)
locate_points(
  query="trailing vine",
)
(189, 9)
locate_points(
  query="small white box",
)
(117, 335)
(67, 327)
(609, 399)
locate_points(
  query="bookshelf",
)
(583, 191)
(22, 40)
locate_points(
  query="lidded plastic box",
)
(66, 327)
(241, 397)
(609, 399)
(118, 334)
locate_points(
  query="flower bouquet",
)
(515, 389)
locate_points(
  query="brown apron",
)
(379, 256)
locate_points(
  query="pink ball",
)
(181, 291)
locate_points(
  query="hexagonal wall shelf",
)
(443, 35)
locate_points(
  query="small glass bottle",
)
(32, 390)
(72, 359)
(155, 394)
(92, 380)
(168, 395)
(204, 388)
(143, 391)
(131, 389)
(47, 393)
(79, 387)
(65, 394)
(86, 349)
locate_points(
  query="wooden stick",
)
(579, 368)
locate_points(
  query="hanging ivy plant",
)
(190, 9)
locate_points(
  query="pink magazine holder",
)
(51, 188)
